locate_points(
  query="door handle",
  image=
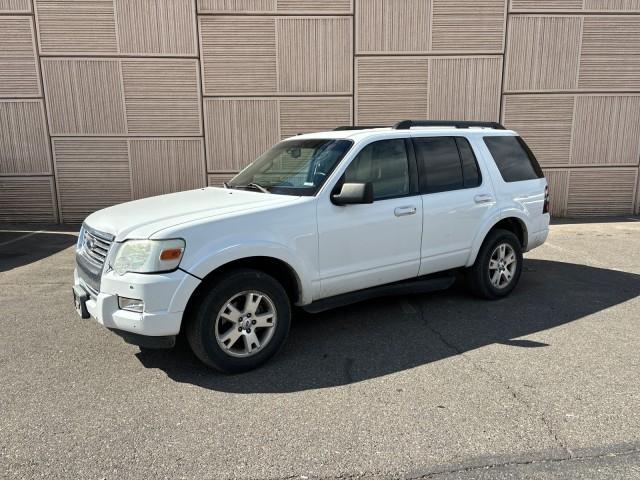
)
(402, 211)
(483, 198)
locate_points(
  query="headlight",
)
(80, 241)
(147, 256)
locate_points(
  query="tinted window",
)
(385, 164)
(470, 172)
(513, 158)
(440, 163)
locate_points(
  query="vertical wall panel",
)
(601, 191)
(24, 145)
(236, 6)
(607, 130)
(542, 53)
(609, 58)
(37, 206)
(84, 96)
(78, 27)
(238, 131)
(465, 88)
(162, 97)
(166, 27)
(391, 88)
(166, 165)
(401, 26)
(19, 74)
(637, 212)
(15, 6)
(276, 6)
(545, 122)
(558, 181)
(91, 174)
(314, 55)
(238, 55)
(468, 25)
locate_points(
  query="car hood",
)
(143, 218)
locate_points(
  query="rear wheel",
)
(498, 266)
(241, 322)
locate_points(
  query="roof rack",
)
(407, 124)
(356, 127)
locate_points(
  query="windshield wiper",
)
(225, 185)
(256, 186)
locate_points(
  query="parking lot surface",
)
(543, 384)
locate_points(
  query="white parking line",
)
(19, 238)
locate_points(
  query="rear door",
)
(457, 197)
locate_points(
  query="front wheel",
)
(241, 322)
(498, 266)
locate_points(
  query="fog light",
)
(131, 304)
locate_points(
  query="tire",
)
(241, 321)
(481, 277)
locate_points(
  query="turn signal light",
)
(171, 254)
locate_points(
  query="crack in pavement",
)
(527, 462)
(470, 468)
(499, 380)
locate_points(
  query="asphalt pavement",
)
(543, 384)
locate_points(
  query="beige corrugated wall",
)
(103, 101)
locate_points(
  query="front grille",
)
(93, 248)
(96, 246)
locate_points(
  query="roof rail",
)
(407, 124)
(356, 127)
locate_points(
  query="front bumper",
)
(165, 298)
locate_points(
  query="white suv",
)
(319, 220)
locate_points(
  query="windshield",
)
(293, 167)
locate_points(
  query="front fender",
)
(206, 261)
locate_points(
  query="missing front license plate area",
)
(80, 298)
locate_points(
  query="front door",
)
(361, 246)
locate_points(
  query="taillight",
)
(545, 208)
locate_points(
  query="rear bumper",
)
(538, 238)
(165, 298)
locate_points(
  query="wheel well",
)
(515, 226)
(278, 269)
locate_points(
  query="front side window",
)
(293, 167)
(513, 158)
(386, 165)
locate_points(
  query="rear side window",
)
(447, 163)
(470, 172)
(513, 158)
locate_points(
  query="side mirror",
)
(353, 194)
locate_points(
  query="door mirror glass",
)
(353, 194)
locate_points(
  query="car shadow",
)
(389, 335)
(22, 247)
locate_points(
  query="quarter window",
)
(386, 165)
(513, 158)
